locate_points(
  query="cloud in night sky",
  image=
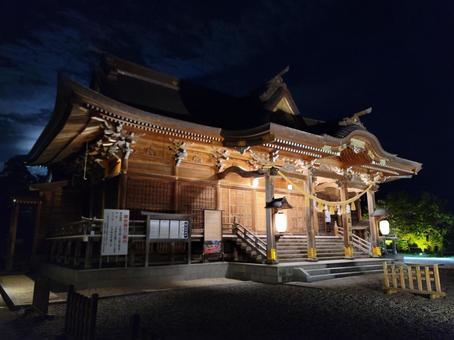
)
(344, 56)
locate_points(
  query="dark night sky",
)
(396, 56)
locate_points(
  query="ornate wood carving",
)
(221, 155)
(241, 172)
(113, 148)
(179, 148)
(260, 161)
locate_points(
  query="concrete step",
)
(303, 259)
(336, 269)
(342, 269)
(343, 274)
(326, 253)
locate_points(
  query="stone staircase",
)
(294, 248)
(337, 269)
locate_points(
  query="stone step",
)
(304, 259)
(342, 274)
(342, 269)
(319, 251)
(337, 246)
(304, 242)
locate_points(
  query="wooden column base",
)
(312, 254)
(348, 252)
(272, 257)
(376, 252)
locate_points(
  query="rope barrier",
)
(322, 201)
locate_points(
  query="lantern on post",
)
(384, 227)
(279, 217)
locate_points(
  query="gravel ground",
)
(253, 310)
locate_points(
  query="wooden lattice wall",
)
(150, 194)
(193, 199)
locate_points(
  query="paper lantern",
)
(280, 222)
(384, 227)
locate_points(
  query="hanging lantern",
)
(325, 207)
(332, 211)
(339, 211)
(347, 209)
(353, 206)
(280, 221)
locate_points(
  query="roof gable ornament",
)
(274, 84)
(354, 119)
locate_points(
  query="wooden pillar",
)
(315, 220)
(122, 187)
(176, 205)
(359, 212)
(37, 233)
(373, 224)
(12, 235)
(346, 221)
(310, 225)
(270, 242)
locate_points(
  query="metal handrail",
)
(250, 238)
(358, 242)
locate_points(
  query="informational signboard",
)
(212, 231)
(168, 229)
(115, 231)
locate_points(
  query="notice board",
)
(115, 232)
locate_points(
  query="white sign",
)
(168, 230)
(115, 230)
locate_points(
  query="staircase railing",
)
(358, 242)
(251, 239)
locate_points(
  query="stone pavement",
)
(19, 290)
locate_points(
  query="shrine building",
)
(163, 151)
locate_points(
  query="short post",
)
(41, 292)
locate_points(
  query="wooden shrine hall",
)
(190, 171)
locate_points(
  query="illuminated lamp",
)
(384, 227)
(290, 187)
(280, 221)
(255, 183)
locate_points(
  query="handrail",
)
(358, 242)
(250, 238)
(91, 226)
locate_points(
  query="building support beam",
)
(310, 225)
(359, 212)
(38, 234)
(376, 252)
(346, 221)
(315, 220)
(271, 255)
(12, 235)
